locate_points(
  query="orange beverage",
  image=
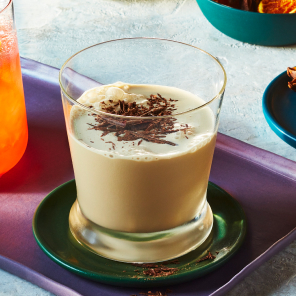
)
(13, 120)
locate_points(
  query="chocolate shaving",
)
(157, 293)
(113, 145)
(160, 271)
(131, 130)
(292, 74)
(210, 256)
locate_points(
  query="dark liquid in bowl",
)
(249, 5)
(231, 3)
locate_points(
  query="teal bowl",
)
(251, 27)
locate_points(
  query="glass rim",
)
(92, 110)
(9, 2)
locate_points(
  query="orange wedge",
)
(277, 6)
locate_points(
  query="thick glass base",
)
(141, 247)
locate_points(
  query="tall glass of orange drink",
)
(13, 120)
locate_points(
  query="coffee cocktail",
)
(142, 155)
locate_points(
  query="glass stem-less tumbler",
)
(13, 120)
(142, 117)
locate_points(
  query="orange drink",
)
(277, 6)
(13, 120)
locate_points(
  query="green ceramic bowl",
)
(251, 27)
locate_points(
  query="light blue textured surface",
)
(50, 31)
(11, 285)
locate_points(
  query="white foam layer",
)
(201, 123)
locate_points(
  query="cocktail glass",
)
(146, 207)
(13, 120)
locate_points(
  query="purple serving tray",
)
(263, 183)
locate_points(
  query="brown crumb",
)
(113, 145)
(160, 271)
(156, 293)
(210, 256)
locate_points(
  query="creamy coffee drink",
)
(141, 175)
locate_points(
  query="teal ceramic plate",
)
(279, 105)
(51, 231)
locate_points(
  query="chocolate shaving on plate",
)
(210, 256)
(158, 270)
(157, 293)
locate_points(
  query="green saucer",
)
(51, 231)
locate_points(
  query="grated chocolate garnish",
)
(210, 256)
(113, 145)
(158, 270)
(132, 130)
(156, 293)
